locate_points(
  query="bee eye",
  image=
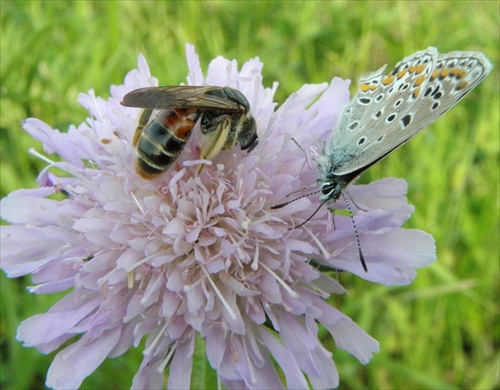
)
(252, 145)
(248, 134)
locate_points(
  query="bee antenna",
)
(361, 257)
(280, 205)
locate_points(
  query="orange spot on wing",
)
(461, 73)
(444, 72)
(435, 74)
(420, 68)
(461, 85)
(387, 80)
(364, 87)
(419, 81)
(416, 93)
(401, 73)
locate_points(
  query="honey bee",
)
(223, 112)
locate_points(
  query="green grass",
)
(442, 331)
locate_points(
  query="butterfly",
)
(389, 109)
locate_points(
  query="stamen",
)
(130, 280)
(321, 247)
(160, 334)
(161, 367)
(152, 289)
(138, 263)
(139, 205)
(292, 293)
(40, 156)
(219, 294)
(255, 262)
(250, 367)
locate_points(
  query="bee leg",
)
(143, 121)
(214, 139)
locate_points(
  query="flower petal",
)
(74, 363)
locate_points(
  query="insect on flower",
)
(225, 120)
(390, 109)
(208, 262)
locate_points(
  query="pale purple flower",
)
(184, 254)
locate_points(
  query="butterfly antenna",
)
(280, 205)
(361, 257)
(308, 219)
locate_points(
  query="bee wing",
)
(179, 97)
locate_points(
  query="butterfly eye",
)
(327, 188)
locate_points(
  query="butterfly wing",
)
(388, 110)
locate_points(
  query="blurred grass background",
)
(442, 331)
